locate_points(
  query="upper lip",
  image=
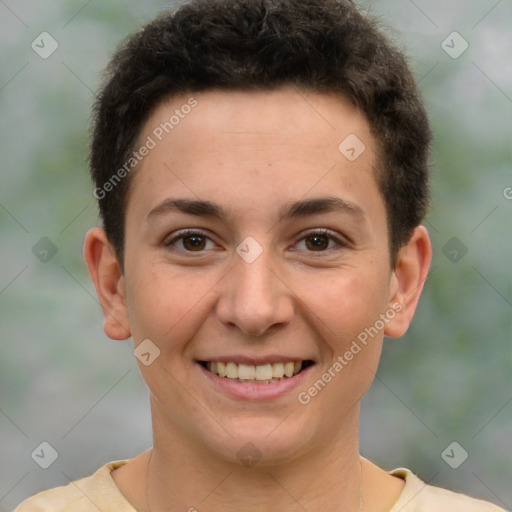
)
(254, 360)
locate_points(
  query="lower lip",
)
(255, 392)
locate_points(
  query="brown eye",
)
(321, 241)
(194, 243)
(188, 241)
(317, 242)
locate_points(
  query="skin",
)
(252, 153)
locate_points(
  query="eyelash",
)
(318, 232)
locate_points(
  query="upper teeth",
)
(263, 372)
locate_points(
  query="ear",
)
(108, 280)
(407, 281)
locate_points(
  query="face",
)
(254, 246)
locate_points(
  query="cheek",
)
(164, 305)
(347, 309)
(346, 303)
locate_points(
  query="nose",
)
(255, 297)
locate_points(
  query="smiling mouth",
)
(252, 374)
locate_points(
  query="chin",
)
(260, 442)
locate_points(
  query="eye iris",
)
(193, 242)
(320, 242)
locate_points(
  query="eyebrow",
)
(302, 208)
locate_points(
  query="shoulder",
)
(58, 499)
(85, 495)
(417, 496)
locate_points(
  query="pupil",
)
(319, 241)
(194, 242)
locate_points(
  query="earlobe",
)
(408, 279)
(108, 280)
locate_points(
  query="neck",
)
(190, 477)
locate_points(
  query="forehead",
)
(256, 149)
(284, 112)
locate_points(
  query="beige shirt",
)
(99, 492)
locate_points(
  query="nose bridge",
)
(254, 298)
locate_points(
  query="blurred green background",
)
(63, 381)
